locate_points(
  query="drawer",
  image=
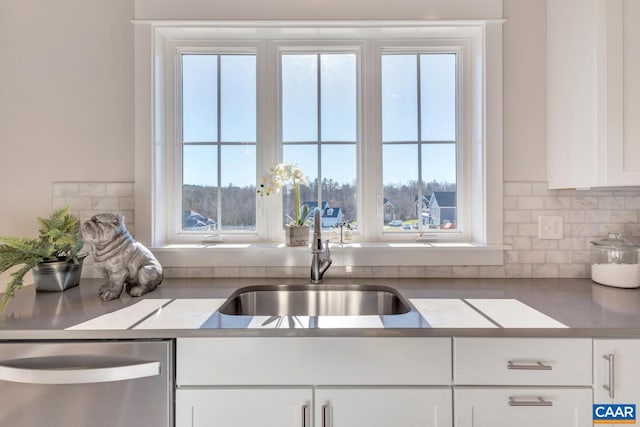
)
(522, 361)
(523, 407)
(313, 360)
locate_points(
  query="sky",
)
(400, 117)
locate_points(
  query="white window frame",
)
(463, 52)
(480, 155)
(356, 47)
(174, 164)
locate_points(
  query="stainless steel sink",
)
(315, 300)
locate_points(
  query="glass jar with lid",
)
(614, 262)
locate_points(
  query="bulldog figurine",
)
(119, 258)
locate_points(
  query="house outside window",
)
(442, 210)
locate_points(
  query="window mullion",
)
(270, 151)
(219, 138)
(370, 191)
(419, 123)
(319, 125)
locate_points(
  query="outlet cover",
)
(550, 227)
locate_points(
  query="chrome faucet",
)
(320, 259)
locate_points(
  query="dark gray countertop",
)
(590, 310)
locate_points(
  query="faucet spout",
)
(320, 255)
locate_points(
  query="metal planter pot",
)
(57, 276)
(297, 235)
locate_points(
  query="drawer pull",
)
(325, 411)
(611, 386)
(538, 366)
(305, 415)
(539, 402)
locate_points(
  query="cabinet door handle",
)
(611, 386)
(538, 366)
(539, 402)
(305, 414)
(325, 415)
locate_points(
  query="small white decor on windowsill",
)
(297, 231)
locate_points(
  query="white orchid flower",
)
(280, 175)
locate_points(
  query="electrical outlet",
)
(550, 227)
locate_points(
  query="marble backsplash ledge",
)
(587, 215)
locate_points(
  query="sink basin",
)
(315, 300)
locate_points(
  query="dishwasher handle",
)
(76, 369)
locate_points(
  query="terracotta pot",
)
(297, 235)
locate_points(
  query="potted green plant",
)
(53, 256)
(297, 231)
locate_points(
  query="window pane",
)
(439, 165)
(299, 98)
(339, 173)
(199, 98)
(438, 97)
(338, 97)
(200, 187)
(238, 187)
(306, 157)
(399, 98)
(439, 184)
(238, 98)
(400, 180)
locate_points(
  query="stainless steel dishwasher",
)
(81, 384)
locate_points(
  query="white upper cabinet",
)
(593, 93)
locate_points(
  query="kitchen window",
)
(392, 124)
(319, 128)
(419, 141)
(218, 140)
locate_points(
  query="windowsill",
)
(355, 254)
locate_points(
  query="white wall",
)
(66, 101)
(66, 98)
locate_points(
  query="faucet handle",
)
(326, 248)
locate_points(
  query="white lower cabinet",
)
(507, 382)
(383, 407)
(334, 407)
(234, 407)
(523, 361)
(522, 407)
(401, 382)
(314, 382)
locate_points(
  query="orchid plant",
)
(283, 174)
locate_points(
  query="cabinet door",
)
(383, 407)
(617, 378)
(623, 92)
(523, 407)
(222, 407)
(593, 94)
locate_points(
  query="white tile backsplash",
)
(587, 215)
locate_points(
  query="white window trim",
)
(485, 246)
